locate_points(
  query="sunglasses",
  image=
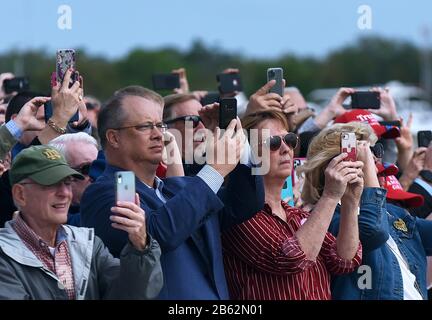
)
(275, 142)
(195, 120)
(84, 170)
(378, 150)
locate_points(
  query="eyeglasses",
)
(146, 127)
(275, 142)
(84, 169)
(195, 120)
(378, 150)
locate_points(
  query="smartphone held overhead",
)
(166, 81)
(65, 61)
(229, 83)
(365, 100)
(277, 75)
(424, 138)
(18, 84)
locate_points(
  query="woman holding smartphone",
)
(395, 244)
(286, 253)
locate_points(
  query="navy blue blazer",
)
(187, 226)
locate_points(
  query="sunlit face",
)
(187, 108)
(80, 154)
(141, 145)
(281, 160)
(47, 205)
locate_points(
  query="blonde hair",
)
(324, 147)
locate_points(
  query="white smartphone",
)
(125, 186)
(276, 74)
(349, 145)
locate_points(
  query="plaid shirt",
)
(60, 263)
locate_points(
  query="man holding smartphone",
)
(42, 258)
(184, 214)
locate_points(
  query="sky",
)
(253, 28)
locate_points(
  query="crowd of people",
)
(208, 220)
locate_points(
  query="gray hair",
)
(291, 89)
(61, 142)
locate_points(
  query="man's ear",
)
(18, 195)
(112, 138)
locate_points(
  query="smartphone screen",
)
(276, 74)
(227, 111)
(349, 145)
(125, 186)
(166, 81)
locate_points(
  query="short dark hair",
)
(173, 99)
(112, 114)
(18, 101)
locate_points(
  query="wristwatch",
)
(426, 175)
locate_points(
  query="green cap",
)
(43, 164)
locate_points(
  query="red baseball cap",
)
(386, 169)
(360, 115)
(397, 193)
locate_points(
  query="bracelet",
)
(55, 127)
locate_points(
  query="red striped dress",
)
(264, 261)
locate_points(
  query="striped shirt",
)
(59, 262)
(264, 261)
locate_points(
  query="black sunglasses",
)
(195, 120)
(84, 170)
(275, 142)
(378, 150)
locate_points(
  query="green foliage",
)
(366, 62)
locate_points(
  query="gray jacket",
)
(97, 274)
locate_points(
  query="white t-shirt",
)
(408, 278)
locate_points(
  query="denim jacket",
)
(378, 220)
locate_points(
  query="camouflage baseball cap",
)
(43, 164)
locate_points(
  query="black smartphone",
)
(365, 100)
(424, 138)
(229, 82)
(395, 123)
(18, 84)
(48, 113)
(210, 97)
(166, 81)
(227, 111)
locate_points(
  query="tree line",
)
(370, 60)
